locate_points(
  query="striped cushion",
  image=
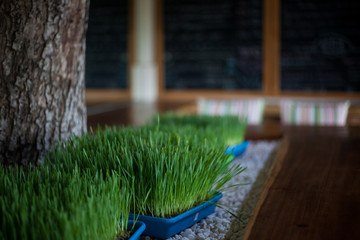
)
(322, 114)
(252, 109)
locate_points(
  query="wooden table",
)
(313, 190)
(128, 113)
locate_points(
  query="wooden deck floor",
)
(313, 190)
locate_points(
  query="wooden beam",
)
(106, 95)
(314, 94)
(271, 47)
(187, 95)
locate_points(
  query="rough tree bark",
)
(42, 61)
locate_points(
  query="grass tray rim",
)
(198, 208)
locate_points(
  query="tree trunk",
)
(42, 87)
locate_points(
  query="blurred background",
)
(142, 53)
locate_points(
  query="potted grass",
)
(73, 155)
(173, 173)
(218, 130)
(49, 203)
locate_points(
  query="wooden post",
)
(271, 47)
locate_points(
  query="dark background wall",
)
(320, 45)
(106, 50)
(213, 44)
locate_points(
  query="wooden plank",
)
(315, 193)
(169, 95)
(188, 95)
(106, 95)
(274, 171)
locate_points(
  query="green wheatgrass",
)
(228, 129)
(89, 183)
(172, 172)
(48, 203)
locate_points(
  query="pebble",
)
(187, 232)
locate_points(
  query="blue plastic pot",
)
(138, 229)
(164, 228)
(238, 149)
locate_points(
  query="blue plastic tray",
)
(138, 229)
(166, 227)
(238, 149)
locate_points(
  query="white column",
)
(144, 71)
(142, 112)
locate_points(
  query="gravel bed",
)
(239, 200)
